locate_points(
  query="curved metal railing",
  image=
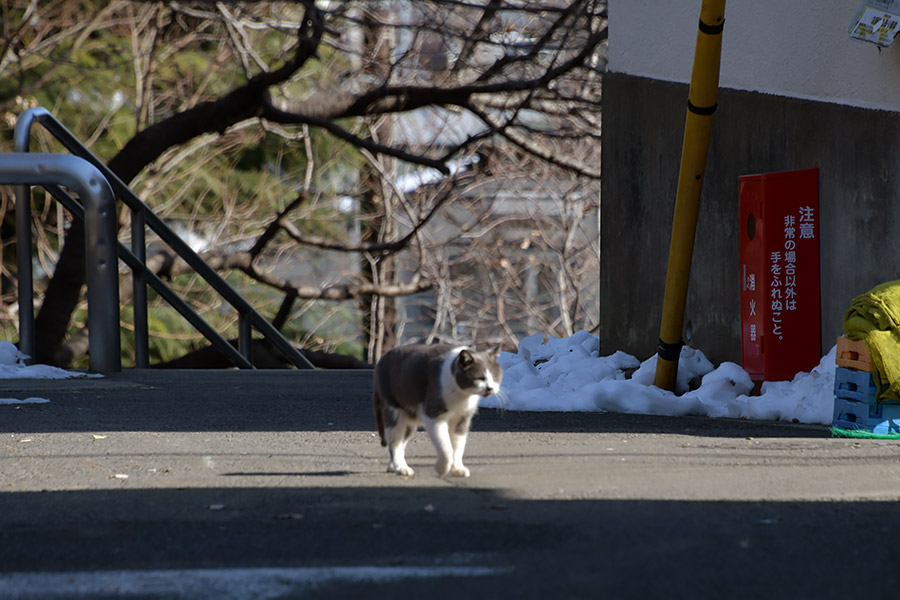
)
(135, 258)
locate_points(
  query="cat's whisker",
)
(502, 400)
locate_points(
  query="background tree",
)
(451, 147)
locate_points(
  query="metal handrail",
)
(99, 214)
(154, 281)
(143, 216)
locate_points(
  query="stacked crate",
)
(855, 406)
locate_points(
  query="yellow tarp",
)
(874, 317)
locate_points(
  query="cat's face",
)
(479, 372)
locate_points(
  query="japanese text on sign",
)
(750, 285)
(783, 266)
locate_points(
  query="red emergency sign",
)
(779, 255)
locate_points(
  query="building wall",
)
(856, 150)
(799, 48)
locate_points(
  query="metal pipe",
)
(245, 336)
(698, 124)
(25, 289)
(100, 229)
(139, 286)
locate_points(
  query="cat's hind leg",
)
(398, 430)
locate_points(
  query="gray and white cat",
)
(437, 385)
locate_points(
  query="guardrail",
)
(135, 258)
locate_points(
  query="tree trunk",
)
(379, 313)
(62, 296)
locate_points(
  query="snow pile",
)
(16, 401)
(12, 366)
(569, 375)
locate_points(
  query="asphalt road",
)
(200, 484)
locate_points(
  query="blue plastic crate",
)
(874, 417)
(851, 384)
(851, 414)
(886, 418)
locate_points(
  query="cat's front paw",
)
(403, 470)
(442, 467)
(460, 471)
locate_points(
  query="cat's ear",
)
(494, 352)
(465, 358)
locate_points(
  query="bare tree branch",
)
(271, 112)
(242, 103)
(171, 266)
(529, 146)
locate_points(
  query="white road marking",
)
(223, 584)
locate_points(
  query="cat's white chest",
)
(461, 402)
(456, 400)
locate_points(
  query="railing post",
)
(139, 284)
(101, 254)
(25, 289)
(26, 283)
(245, 336)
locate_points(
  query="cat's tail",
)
(379, 417)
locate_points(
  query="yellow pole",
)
(697, 126)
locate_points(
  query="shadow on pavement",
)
(257, 404)
(574, 548)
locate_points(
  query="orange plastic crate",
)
(852, 354)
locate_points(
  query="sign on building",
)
(878, 21)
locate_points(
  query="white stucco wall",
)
(798, 48)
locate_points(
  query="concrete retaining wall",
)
(856, 150)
